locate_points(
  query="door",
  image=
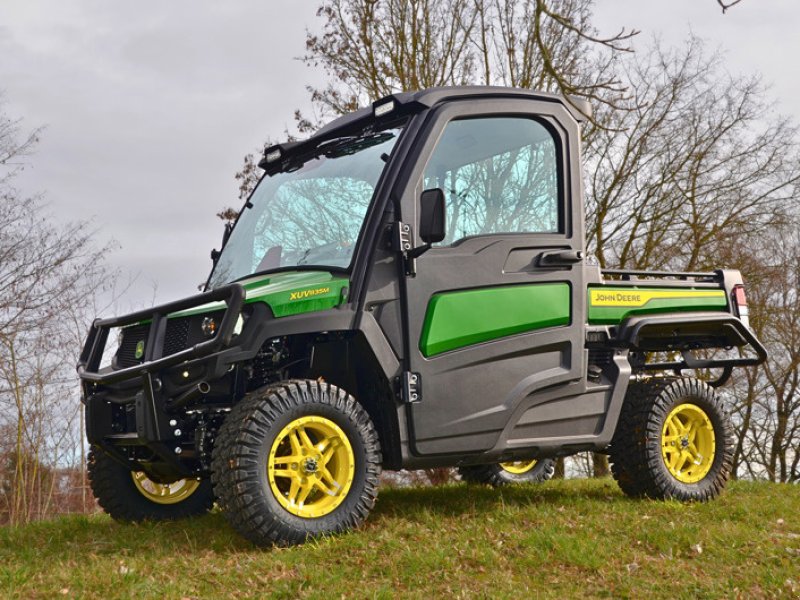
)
(496, 310)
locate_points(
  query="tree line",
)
(50, 276)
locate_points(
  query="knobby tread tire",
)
(238, 468)
(635, 452)
(627, 444)
(497, 476)
(116, 493)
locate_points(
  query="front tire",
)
(500, 474)
(295, 461)
(674, 439)
(132, 496)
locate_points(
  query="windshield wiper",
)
(303, 258)
(336, 147)
(320, 250)
(351, 145)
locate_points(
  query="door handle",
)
(558, 258)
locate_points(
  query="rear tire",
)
(501, 474)
(132, 497)
(295, 461)
(674, 439)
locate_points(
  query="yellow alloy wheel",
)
(311, 467)
(519, 467)
(164, 493)
(688, 443)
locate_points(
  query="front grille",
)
(180, 333)
(130, 338)
(176, 336)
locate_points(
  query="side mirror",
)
(432, 216)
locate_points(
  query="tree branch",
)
(726, 5)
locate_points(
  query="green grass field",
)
(560, 539)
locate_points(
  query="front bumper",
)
(131, 412)
(232, 295)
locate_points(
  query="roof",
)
(432, 96)
(579, 108)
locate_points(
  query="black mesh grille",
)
(180, 333)
(176, 336)
(130, 338)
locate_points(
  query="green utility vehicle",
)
(408, 288)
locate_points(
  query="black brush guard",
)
(152, 427)
(89, 362)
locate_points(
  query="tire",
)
(674, 439)
(500, 474)
(133, 497)
(271, 498)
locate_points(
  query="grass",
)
(560, 539)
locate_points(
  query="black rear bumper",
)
(683, 332)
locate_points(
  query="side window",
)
(499, 175)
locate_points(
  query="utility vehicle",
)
(408, 288)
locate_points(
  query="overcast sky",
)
(149, 106)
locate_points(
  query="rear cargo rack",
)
(627, 277)
(631, 275)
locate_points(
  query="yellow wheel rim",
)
(311, 467)
(164, 493)
(519, 467)
(688, 443)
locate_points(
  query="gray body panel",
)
(498, 396)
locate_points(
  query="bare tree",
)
(372, 48)
(14, 145)
(766, 401)
(726, 5)
(696, 166)
(49, 273)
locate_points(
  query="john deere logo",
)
(139, 349)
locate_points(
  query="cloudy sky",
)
(149, 107)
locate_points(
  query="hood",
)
(287, 293)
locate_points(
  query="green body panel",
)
(462, 318)
(608, 305)
(288, 293)
(298, 292)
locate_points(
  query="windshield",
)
(309, 214)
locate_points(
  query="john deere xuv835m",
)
(408, 288)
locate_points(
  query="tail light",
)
(740, 300)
